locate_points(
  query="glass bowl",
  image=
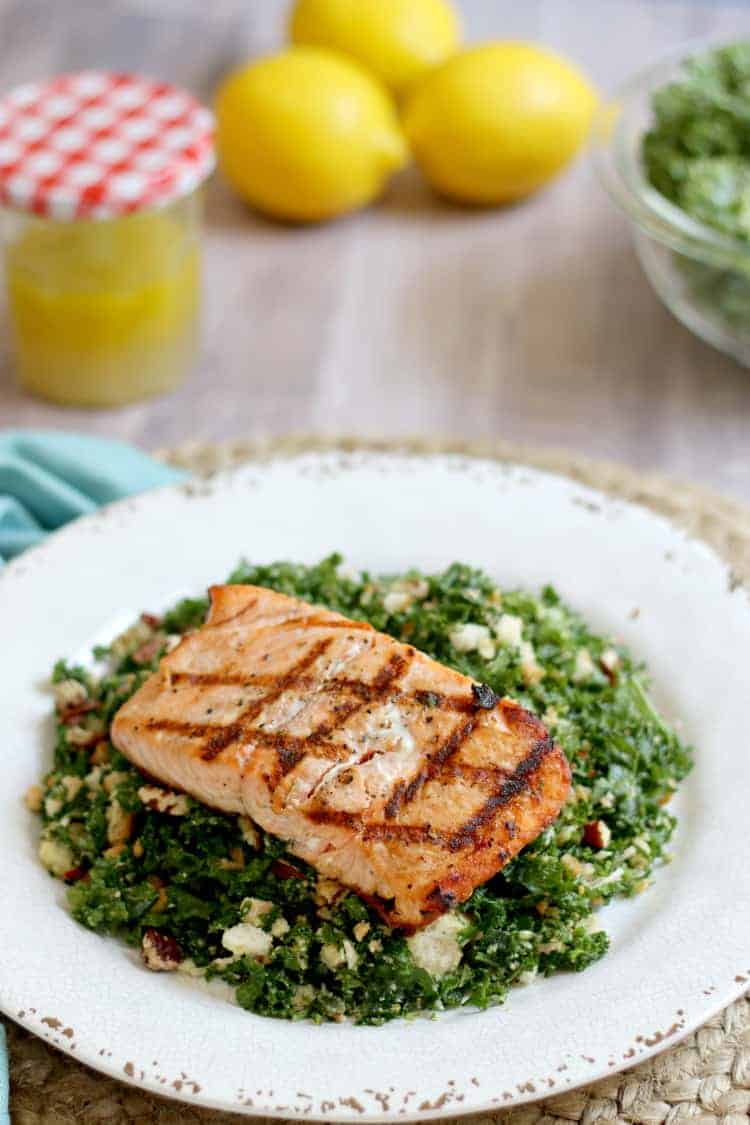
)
(701, 275)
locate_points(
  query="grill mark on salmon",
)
(380, 767)
(222, 736)
(364, 694)
(459, 704)
(235, 616)
(469, 832)
(404, 793)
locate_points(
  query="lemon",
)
(496, 122)
(398, 40)
(307, 134)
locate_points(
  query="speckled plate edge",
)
(716, 992)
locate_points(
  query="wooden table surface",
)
(532, 324)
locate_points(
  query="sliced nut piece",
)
(33, 798)
(235, 862)
(56, 857)
(81, 737)
(597, 834)
(164, 801)
(69, 694)
(328, 891)
(114, 851)
(72, 786)
(100, 755)
(119, 823)
(112, 780)
(250, 834)
(138, 849)
(161, 953)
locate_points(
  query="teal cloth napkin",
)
(47, 479)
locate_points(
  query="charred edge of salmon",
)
(455, 889)
(442, 897)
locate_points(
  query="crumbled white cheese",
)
(584, 666)
(435, 948)
(253, 909)
(551, 947)
(527, 977)
(68, 694)
(190, 969)
(331, 956)
(163, 801)
(279, 928)
(56, 857)
(250, 833)
(304, 994)
(247, 940)
(509, 630)
(575, 867)
(531, 670)
(351, 955)
(613, 877)
(52, 806)
(550, 718)
(403, 593)
(334, 957)
(471, 637)
(396, 601)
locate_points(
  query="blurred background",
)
(532, 323)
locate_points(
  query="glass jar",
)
(104, 284)
(104, 313)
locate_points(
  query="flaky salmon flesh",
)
(380, 767)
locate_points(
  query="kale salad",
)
(211, 895)
(697, 155)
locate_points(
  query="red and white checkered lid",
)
(95, 145)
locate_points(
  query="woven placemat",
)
(705, 1078)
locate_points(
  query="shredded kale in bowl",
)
(697, 154)
(212, 895)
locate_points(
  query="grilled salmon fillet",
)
(382, 768)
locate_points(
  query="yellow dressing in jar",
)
(100, 198)
(105, 312)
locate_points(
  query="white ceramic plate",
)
(680, 951)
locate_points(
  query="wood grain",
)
(532, 324)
